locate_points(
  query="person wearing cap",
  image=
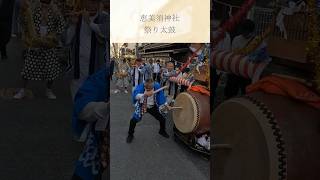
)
(146, 101)
(90, 124)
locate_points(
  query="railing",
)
(296, 25)
(263, 18)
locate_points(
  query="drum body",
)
(269, 137)
(194, 117)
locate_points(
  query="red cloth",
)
(199, 89)
(286, 87)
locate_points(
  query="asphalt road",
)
(35, 134)
(149, 156)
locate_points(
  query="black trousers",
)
(156, 114)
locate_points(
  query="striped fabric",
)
(181, 81)
(237, 64)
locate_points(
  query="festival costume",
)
(93, 160)
(148, 73)
(137, 74)
(41, 63)
(171, 92)
(141, 106)
(234, 82)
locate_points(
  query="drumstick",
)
(176, 107)
(160, 89)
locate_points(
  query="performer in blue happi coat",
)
(90, 124)
(147, 101)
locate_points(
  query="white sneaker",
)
(125, 91)
(116, 91)
(20, 94)
(50, 94)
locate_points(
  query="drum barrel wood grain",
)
(272, 136)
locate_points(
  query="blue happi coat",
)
(94, 89)
(159, 97)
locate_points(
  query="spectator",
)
(41, 60)
(156, 71)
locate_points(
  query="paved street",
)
(149, 156)
(35, 134)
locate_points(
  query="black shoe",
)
(164, 133)
(129, 138)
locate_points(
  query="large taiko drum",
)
(194, 117)
(266, 137)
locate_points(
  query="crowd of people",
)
(153, 90)
(71, 45)
(129, 73)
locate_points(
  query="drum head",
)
(245, 127)
(187, 118)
